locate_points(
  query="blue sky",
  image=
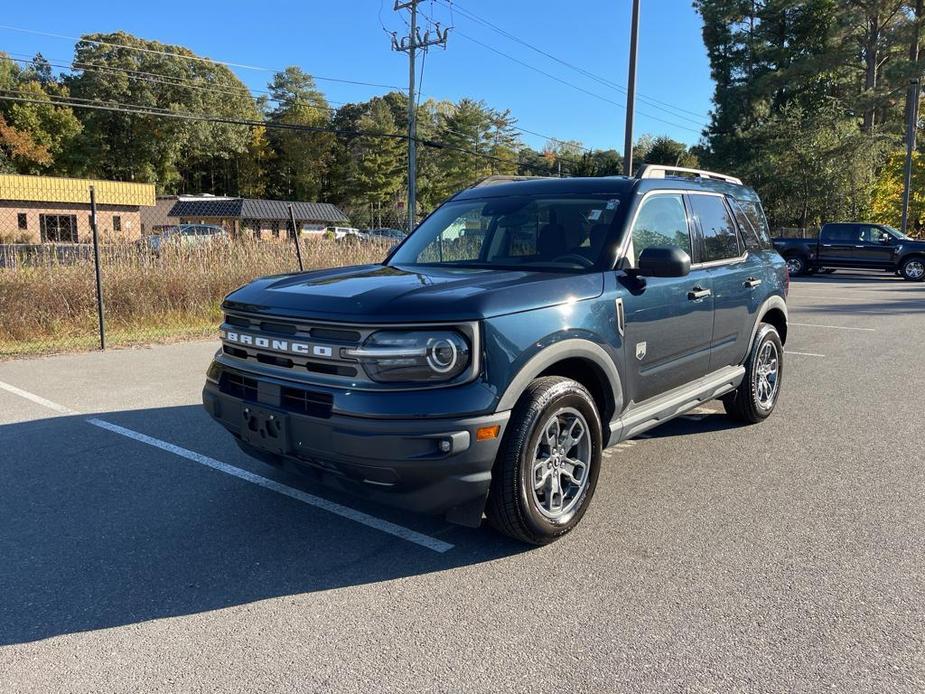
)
(346, 40)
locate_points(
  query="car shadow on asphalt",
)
(691, 425)
(98, 530)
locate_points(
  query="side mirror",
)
(885, 238)
(668, 261)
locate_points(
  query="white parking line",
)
(804, 354)
(337, 509)
(60, 409)
(297, 494)
(832, 327)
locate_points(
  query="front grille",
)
(307, 402)
(335, 335)
(296, 400)
(322, 347)
(238, 386)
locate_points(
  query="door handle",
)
(698, 293)
(752, 282)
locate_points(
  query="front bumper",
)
(400, 462)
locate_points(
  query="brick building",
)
(47, 209)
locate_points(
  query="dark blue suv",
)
(524, 326)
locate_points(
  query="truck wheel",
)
(754, 400)
(796, 265)
(547, 468)
(913, 269)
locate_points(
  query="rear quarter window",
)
(755, 231)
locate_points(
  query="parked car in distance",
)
(858, 245)
(342, 232)
(187, 236)
(522, 328)
(386, 233)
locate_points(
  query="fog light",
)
(446, 445)
(488, 433)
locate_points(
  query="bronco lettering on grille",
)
(275, 345)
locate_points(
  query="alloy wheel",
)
(561, 463)
(767, 371)
(915, 269)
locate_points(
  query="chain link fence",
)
(158, 283)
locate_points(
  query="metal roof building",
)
(248, 208)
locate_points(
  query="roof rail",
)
(662, 171)
(501, 178)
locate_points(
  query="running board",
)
(674, 403)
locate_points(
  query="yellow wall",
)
(51, 189)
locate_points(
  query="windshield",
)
(559, 234)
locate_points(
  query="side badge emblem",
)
(640, 350)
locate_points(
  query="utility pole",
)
(410, 44)
(631, 93)
(912, 122)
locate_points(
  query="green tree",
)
(814, 166)
(664, 150)
(301, 157)
(176, 154)
(379, 172)
(34, 135)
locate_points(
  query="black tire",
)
(512, 507)
(744, 404)
(913, 269)
(797, 265)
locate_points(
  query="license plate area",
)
(265, 428)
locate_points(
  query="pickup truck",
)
(522, 328)
(855, 245)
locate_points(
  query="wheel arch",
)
(773, 311)
(910, 254)
(581, 360)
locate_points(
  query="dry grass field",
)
(50, 306)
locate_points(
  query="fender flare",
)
(774, 301)
(556, 352)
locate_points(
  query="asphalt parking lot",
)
(141, 551)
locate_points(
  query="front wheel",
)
(913, 269)
(755, 398)
(547, 468)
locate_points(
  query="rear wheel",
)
(796, 265)
(547, 468)
(754, 400)
(913, 269)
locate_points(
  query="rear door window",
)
(720, 241)
(840, 233)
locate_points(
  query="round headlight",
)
(442, 355)
(410, 356)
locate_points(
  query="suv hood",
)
(391, 294)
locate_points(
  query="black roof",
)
(249, 208)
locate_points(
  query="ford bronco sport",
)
(522, 328)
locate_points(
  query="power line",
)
(134, 109)
(567, 83)
(183, 56)
(171, 81)
(167, 80)
(663, 105)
